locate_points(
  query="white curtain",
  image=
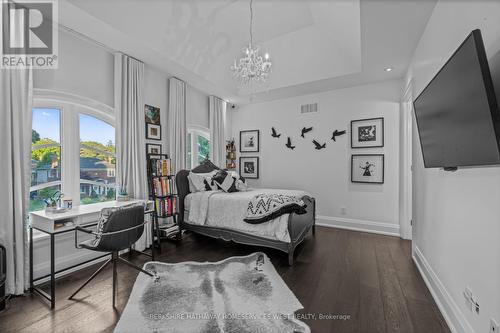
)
(217, 111)
(130, 132)
(16, 94)
(177, 123)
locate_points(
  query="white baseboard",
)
(449, 308)
(358, 225)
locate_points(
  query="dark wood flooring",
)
(370, 278)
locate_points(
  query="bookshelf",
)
(230, 155)
(161, 185)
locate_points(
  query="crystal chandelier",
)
(252, 68)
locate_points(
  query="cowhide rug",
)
(238, 294)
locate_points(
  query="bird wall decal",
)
(305, 130)
(318, 145)
(274, 134)
(337, 133)
(289, 144)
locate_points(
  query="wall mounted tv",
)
(457, 113)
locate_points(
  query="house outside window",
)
(197, 146)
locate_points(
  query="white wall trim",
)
(381, 228)
(449, 308)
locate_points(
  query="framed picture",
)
(153, 149)
(367, 133)
(367, 168)
(249, 167)
(153, 132)
(249, 141)
(152, 114)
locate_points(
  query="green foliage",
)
(86, 152)
(37, 154)
(34, 136)
(111, 194)
(203, 148)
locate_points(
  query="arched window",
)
(73, 152)
(197, 146)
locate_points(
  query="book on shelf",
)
(166, 206)
(160, 167)
(163, 186)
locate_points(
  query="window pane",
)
(189, 154)
(203, 148)
(97, 160)
(45, 165)
(37, 197)
(46, 150)
(46, 126)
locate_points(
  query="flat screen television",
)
(457, 113)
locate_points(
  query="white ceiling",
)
(315, 45)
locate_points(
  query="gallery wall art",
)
(368, 168)
(367, 133)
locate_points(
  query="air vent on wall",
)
(309, 108)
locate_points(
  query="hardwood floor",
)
(370, 278)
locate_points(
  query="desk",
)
(84, 216)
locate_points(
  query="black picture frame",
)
(354, 156)
(257, 167)
(153, 145)
(353, 133)
(148, 134)
(257, 146)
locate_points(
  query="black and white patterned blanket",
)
(266, 206)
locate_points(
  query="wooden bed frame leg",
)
(314, 229)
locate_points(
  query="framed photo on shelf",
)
(249, 167)
(152, 114)
(367, 168)
(153, 132)
(367, 133)
(249, 141)
(153, 149)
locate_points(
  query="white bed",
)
(227, 210)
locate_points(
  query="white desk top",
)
(83, 210)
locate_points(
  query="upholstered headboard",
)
(182, 183)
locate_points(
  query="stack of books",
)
(169, 229)
(163, 186)
(166, 206)
(161, 167)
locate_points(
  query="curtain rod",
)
(93, 41)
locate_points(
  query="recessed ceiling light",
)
(388, 69)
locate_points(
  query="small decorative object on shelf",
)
(162, 193)
(54, 204)
(122, 194)
(230, 155)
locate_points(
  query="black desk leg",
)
(31, 259)
(153, 237)
(52, 274)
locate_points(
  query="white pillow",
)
(197, 181)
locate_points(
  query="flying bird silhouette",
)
(289, 144)
(274, 134)
(305, 130)
(318, 145)
(337, 133)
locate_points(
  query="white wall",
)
(326, 173)
(456, 218)
(196, 107)
(84, 69)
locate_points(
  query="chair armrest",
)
(87, 231)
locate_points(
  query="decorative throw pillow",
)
(197, 181)
(225, 181)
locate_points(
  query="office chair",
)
(117, 230)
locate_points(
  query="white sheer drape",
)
(130, 132)
(217, 112)
(16, 95)
(177, 123)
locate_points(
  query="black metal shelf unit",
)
(163, 199)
